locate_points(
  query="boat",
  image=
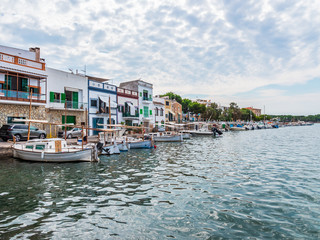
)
(166, 137)
(136, 143)
(238, 127)
(54, 150)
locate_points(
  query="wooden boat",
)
(166, 137)
(54, 150)
(140, 143)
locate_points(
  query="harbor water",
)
(255, 184)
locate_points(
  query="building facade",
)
(68, 97)
(256, 111)
(22, 72)
(177, 109)
(102, 97)
(159, 111)
(145, 91)
(169, 114)
(128, 107)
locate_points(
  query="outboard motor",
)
(215, 131)
(99, 146)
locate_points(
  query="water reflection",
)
(259, 183)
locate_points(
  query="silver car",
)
(73, 133)
(20, 131)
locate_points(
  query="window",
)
(40, 147)
(34, 90)
(167, 103)
(157, 112)
(145, 95)
(161, 112)
(55, 97)
(10, 120)
(94, 102)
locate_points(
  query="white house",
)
(20, 72)
(145, 91)
(68, 94)
(159, 111)
(128, 106)
(102, 98)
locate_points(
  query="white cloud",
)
(213, 48)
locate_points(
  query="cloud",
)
(219, 49)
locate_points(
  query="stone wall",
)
(55, 116)
(16, 110)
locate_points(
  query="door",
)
(70, 119)
(95, 122)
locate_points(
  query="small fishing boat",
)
(136, 143)
(54, 150)
(166, 137)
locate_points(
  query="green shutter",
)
(141, 111)
(146, 111)
(51, 96)
(150, 112)
(75, 100)
(63, 97)
(140, 94)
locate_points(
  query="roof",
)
(98, 79)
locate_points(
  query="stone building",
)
(22, 72)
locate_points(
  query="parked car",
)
(73, 133)
(20, 131)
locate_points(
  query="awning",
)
(106, 101)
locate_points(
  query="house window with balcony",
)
(145, 95)
(57, 97)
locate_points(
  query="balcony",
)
(14, 95)
(69, 105)
(127, 115)
(146, 100)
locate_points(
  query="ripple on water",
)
(259, 184)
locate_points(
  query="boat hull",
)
(176, 138)
(141, 144)
(72, 156)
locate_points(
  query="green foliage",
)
(173, 96)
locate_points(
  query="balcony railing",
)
(127, 114)
(59, 104)
(21, 96)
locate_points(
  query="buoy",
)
(155, 146)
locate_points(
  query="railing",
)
(127, 114)
(147, 99)
(68, 104)
(22, 61)
(20, 96)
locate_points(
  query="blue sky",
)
(255, 53)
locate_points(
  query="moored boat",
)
(54, 150)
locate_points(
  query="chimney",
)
(37, 51)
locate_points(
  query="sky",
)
(262, 54)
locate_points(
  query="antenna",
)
(84, 70)
(71, 70)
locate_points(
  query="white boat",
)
(166, 137)
(238, 129)
(54, 150)
(140, 143)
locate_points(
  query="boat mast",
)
(29, 115)
(65, 119)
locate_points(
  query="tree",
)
(173, 96)
(186, 103)
(234, 111)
